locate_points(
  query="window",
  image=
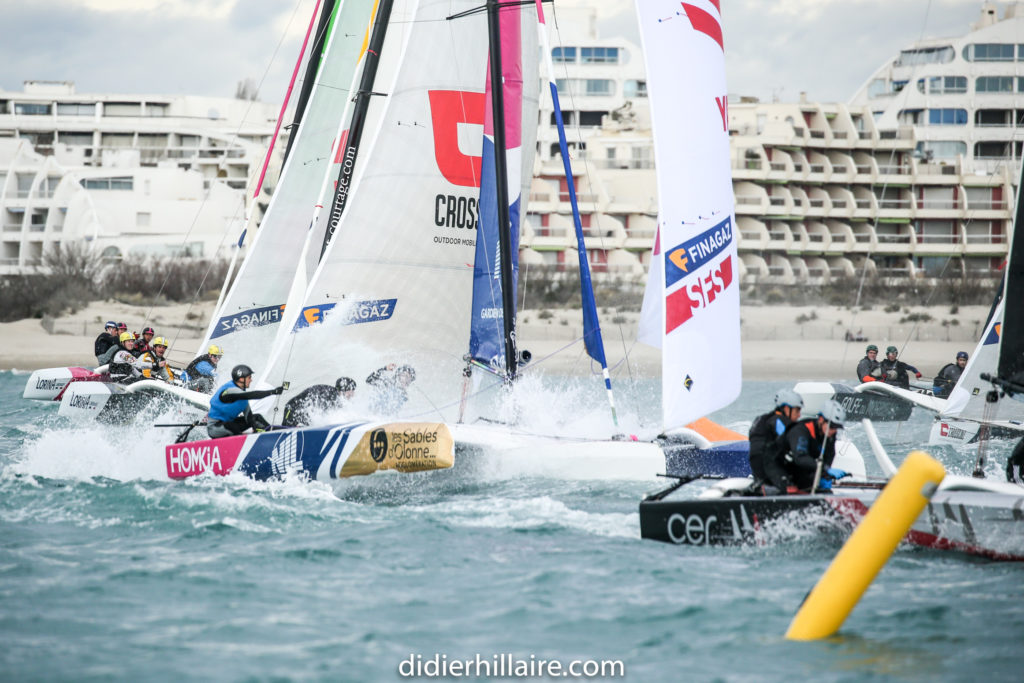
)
(633, 88)
(877, 88)
(947, 117)
(897, 86)
(32, 108)
(122, 109)
(563, 55)
(155, 109)
(990, 52)
(591, 118)
(925, 55)
(941, 149)
(107, 183)
(599, 55)
(600, 87)
(944, 85)
(75, 139)
(992, 150)
(76, 108)
(994, 84)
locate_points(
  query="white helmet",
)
(789, 398)
(833, 413)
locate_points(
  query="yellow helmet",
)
(215, 350)
(160, 341)
(126, 336)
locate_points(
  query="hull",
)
(984, 523)
(952, 432)
(858, 406)
(320, 453)
(118, 404)
(49, 383)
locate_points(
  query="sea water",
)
(110, 572)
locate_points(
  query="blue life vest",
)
(225, 412)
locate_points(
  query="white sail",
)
(249, 316)
(394, 284)
(685, 61)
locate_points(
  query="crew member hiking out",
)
(949, 375)
(230, 414)
(159, 369)
(142, 343)
(896, 372)
(769, 478)
(201, 373)
(319, 398)
(124, 367)
(868, 367)
(389, 383)
(807, 441)
(106, 340)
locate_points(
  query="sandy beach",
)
(779, 342)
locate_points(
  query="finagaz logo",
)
(378, 445)
(681, 263)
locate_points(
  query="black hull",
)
(730, 521)
(874, 407)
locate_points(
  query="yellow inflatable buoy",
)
(867, 550)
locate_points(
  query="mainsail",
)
(694, 298)
(394, 285)
(247, 320)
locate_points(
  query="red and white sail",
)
(693, 298)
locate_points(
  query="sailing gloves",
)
(836, 473)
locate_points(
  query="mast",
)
(359, 111)
(1011, 339)
(312, 67)
(508, 296)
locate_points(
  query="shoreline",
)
(775, 346)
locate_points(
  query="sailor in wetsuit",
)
(867, 368)
(230, 414)
(318, 398)
(949, 375)
(895, 372)
(107, 339)
(764, 434)
(390, 383)
(807, 441)
(202, 371)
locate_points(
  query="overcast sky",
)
(827, 48)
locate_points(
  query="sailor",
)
(107, 339)
(142, 344)
(318, 398)
(895, 372)
(123, 366)
(949, 375)
(158, 367)
(202, 371)
(867, 368)
(390, 384)
(764, 435)
(805, 443)
(230, 414)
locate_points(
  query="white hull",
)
(48, 383)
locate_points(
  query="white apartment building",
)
(129, 174)
(915, 177)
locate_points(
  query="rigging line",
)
(235, 136)
(580, 147)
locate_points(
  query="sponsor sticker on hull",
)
(217, 456)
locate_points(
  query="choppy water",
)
(107, 572)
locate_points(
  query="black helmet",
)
(407, 369)
(345, 384)
(240, 371)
